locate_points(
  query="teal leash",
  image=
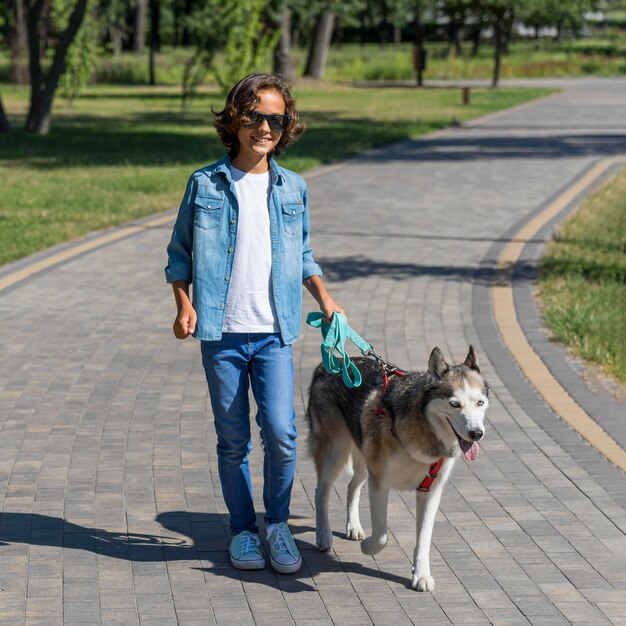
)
(335, 335)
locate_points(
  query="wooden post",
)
(466, 95)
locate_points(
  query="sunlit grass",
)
(583, 279)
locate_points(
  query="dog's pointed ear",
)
(470, 360)
(437, 365)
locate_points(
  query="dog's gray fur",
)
(396, 449)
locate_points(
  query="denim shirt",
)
(203, 245)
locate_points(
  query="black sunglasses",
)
(277, 122)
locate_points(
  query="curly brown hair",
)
(242, 99)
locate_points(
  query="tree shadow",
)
(166, 138)
(463, 147)
(342, 269)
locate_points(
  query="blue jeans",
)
(230, 364)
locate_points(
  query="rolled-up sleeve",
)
(179, 250)
(309, 266)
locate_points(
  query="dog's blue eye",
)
(480, 402)
(454, 404)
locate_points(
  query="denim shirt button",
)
(233, 221)
(230, 249)
(226, 277)
(221, 305)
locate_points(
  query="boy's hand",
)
(185, 323)
(328, 307)
(326, 303)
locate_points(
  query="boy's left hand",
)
(329, 307)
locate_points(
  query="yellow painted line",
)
(96, 242)
(513, 336)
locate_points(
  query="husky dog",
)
(396, 436)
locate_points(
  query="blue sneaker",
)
(245, 551)
(284, 554)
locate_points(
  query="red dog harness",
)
(435, 468)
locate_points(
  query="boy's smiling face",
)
(255, 144)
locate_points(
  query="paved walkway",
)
(111, 504)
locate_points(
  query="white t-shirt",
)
(250, 301)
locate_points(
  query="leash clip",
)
(387, 369)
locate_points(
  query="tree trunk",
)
(283, 63)
(559, 30)
(5, 127)
(475, 37)
(139, 39)
(363, 28)
(155, 24)
(18, 43)
(154, 37)
(318, 52)
(497, 35)
(117, 39)
(43, 86)
(454, 45)
(186, 33)
(507, 33)
(397, 34)
(383, 28)
(419, 50)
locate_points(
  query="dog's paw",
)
(373, 545)
(324, 541)
(423, 583)
(354, 532)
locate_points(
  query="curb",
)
(505, 315)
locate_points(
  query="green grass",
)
(354, 62)
(583, 279)
(526, 60)
(119, 153)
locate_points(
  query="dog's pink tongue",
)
(470, 450)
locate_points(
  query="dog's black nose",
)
(475, 435)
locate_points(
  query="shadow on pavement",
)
(459, 147)
(348, 268)
(206, 540)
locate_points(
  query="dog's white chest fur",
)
(403, 473)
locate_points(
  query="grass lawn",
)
(118, 153)
(354, 62)
(583, 279)
(357, 62)
(525, 60)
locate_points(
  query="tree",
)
(18, 43)
(44, 82)
(455, 13)
(155, 42)
(500, 14)
(555, 14)
(320, 45)
(116, 28)
(322, 13)
(139, 33)
(283, 62)
(239, 30)
(5, 127)
(81, 55)
(423, 10)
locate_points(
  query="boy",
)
(242, 238)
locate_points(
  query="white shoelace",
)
(248, 544)
(280, 541)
